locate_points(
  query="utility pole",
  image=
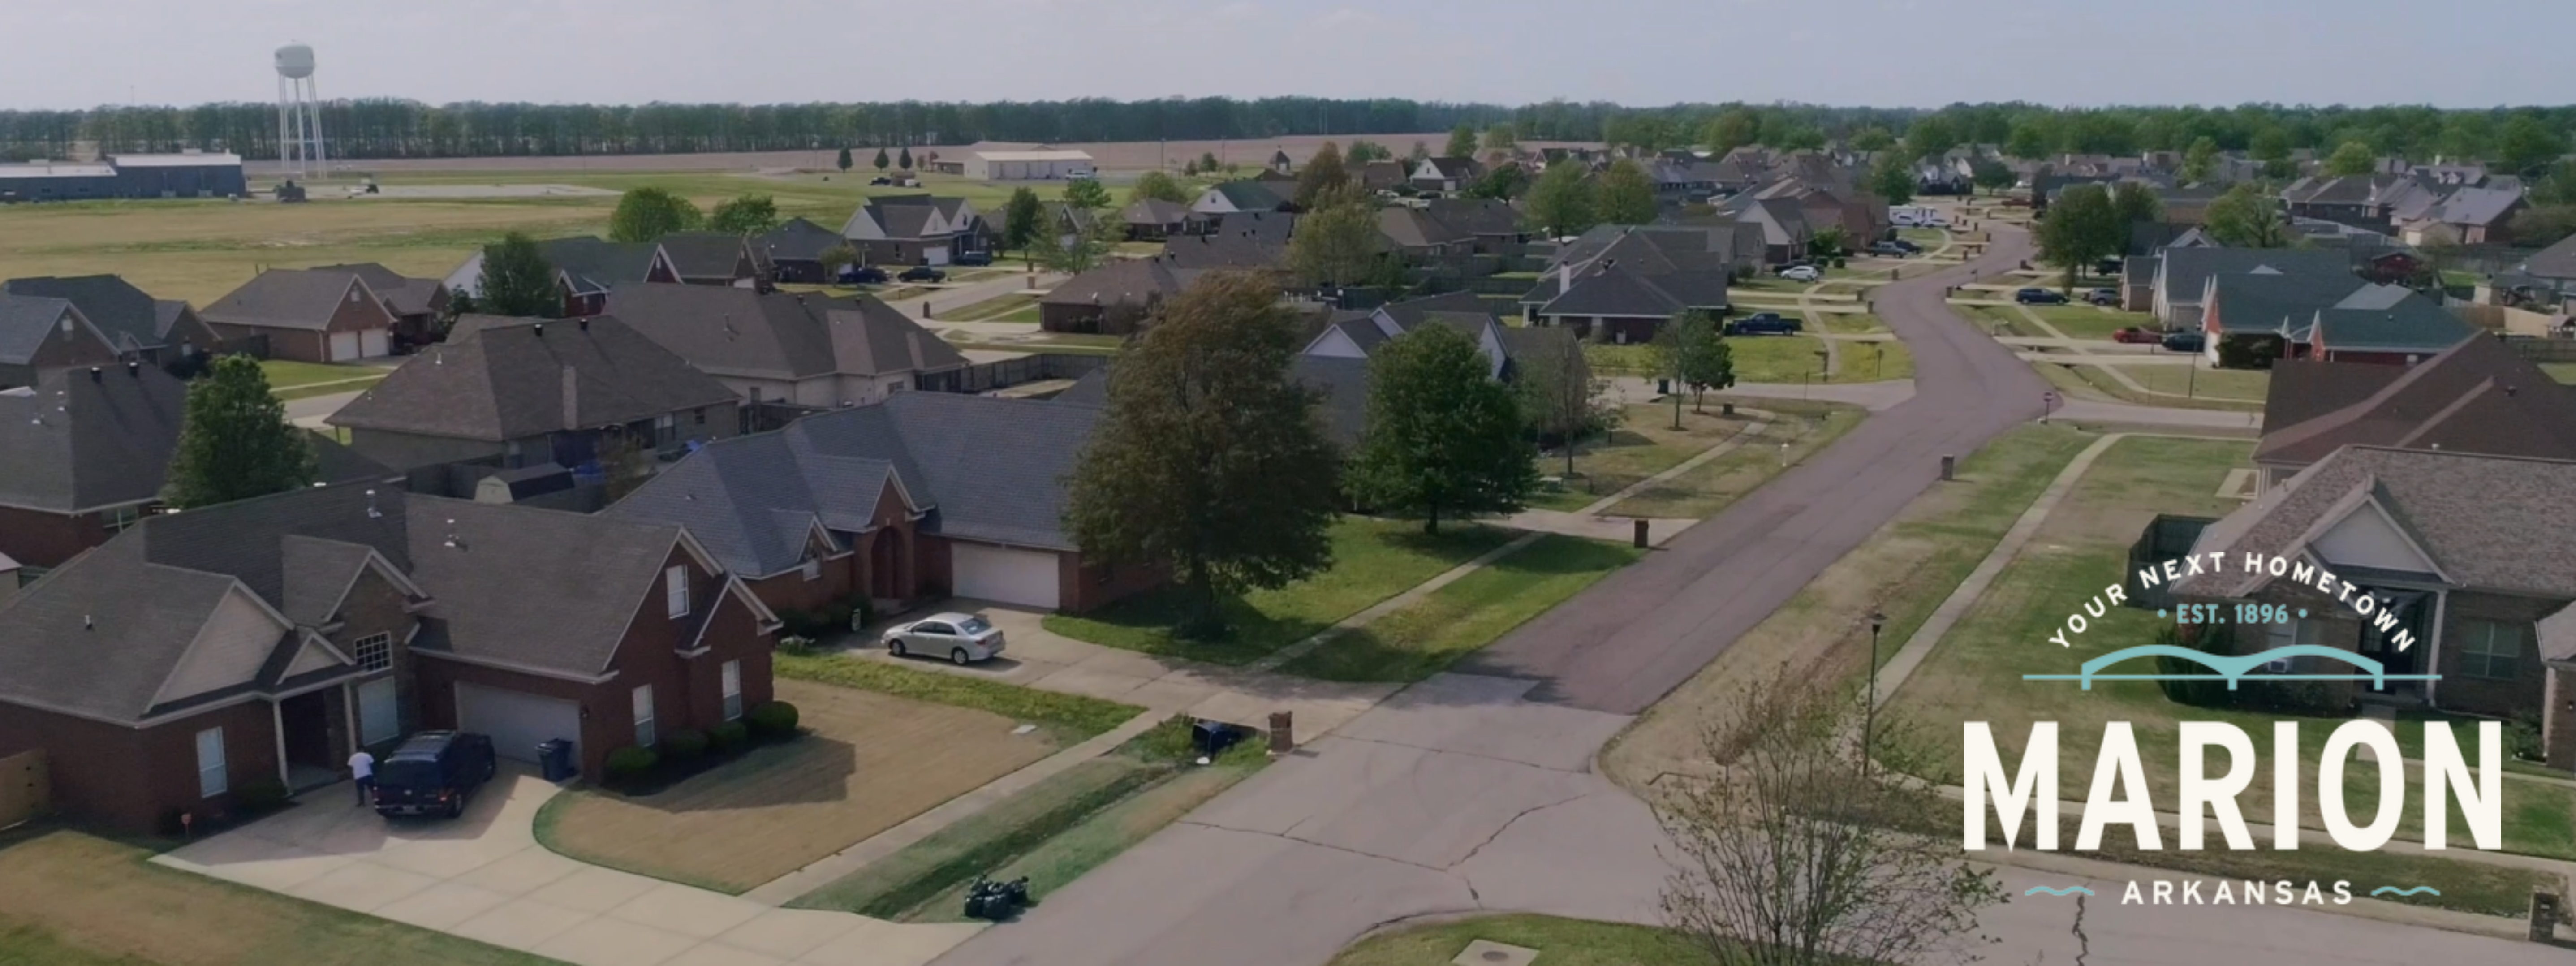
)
(1869, 714)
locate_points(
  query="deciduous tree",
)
(2028, 141)
(1500, 183)
(1930, 136)
(2082, 227)
(1872, 139)
(1992, 175)
(2350, 158)
(1020, 220)
(517, 281)
(1561, 399)
(1733, 129)
(2246, 217)
(1157, 186)
(2527, 143)
(647, 214)
(2200, 161)
(1561, 203)
(1208, 460)
(1322, 176)
(1337, 242)
(234, 441)
(1443, 438)
(844, 160)
(2544, 226)
(1083, 248)
(1462, 142)
(1086, 193)
(836, 258)
(1692, 353)
(1627, 194)
(1501, 137)
(746, 215)
(1363, 152)
(2135, 203)
(1892, 177)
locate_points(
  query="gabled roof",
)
(129, 318)
(1128, 281)
(909, 216)
(2476, 206)
(798, 240)
(1154, 211)
(1249, 195)
(704, 254)
(2478, 397)
(2409, 324)
(592, 264)
(76, 444)
(2187, 270)
(1340, 386)
(407, 296)
(2279, 304)
(288, 298)
(1408, 227)
(728, 331)
(1248, 240)
(2556, 261)
(2474, 515)
(503, 379)
(1617, 290)
(26, 321)
(1476, 216)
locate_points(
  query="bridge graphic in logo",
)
(2233, 668)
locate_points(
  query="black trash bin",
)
(1214, 737)
(554, 759)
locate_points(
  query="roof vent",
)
(372, 512)
(453, 542)
(134, 368)
(585, 323)
(93, 373)
(539, 329)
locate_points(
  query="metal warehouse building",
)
(125, 176)
(1027, 165)
(56, 181)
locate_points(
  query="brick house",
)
(308, 315)
(915, 230)
(417, 303)
(803, 349)
(2447, 543)
(921, 496)
(2476, 397)
(242, 651)
(38, 335)
(137, 326)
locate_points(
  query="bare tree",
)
(1793, 856)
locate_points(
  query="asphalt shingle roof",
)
(798, 240)
(595, 264)
(286, 298)
(76, 445)
(407, 295)
(2478, 397)
(703, 254)
(2473, 514)
(512, 379)
(130, 318)
(780, 335)
(2187, 270)
(25, 323)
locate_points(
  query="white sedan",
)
(1801, 273)
(961, 638)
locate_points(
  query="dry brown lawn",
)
(68, 899)
(869, 762)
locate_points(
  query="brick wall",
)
(36, 538)
(2503, 698)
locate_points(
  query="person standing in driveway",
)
(362, 772)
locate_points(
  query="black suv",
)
(433, 773)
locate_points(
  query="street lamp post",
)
(1869, 713)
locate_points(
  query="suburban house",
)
(1511, 349)
(922, 496)
(38, 335)
(2476, 397)
(417, 303)
(794, 251)
(206, 661)
(1415, 234)
(915, 230)
(308, 315)
(2182, 274)
(983, 165)
(2455, 566)
(1251, 241)
(585, 268)
(800, 349)
(2549, 273)
(2187, 205)
(1686, 180)
(1621, 283)
(2336, 317)
(1340, 384)
(1234, 197)
(1382, 174)
(1446, 175)
(1154, 219)
(2467, 216)
(1495, 226)
(138, 326)
(711, 258)
(532, 392)
(1785, 230)
(1115, 298)
(2360, 200)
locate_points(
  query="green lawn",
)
(2088, 322)
(1372, 560)
(2091, 382)
(1844, 323)
(1560, 942)
(1644, 444)
(283, 374)
(1779, 358)
(1930, 238)
(1874, 361)
(1072, 716)
(1718, 483)
(2561, 371)
(1006, 308)
(1425, 638)
(2244, 385)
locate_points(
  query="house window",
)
(675, 590)
(811, 570)
(212, 777)
(374, 652)
(732, 690)
(699, 414)
(2491, 649)
(664, 430)
(644, 716)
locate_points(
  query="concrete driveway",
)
(484, 877)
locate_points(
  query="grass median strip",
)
(1713, 486)
(1421, 640)
(1072, 717)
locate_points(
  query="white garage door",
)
(371, 344)
(1023, 577)
(935, 256)
(344, 347)
(517, 722)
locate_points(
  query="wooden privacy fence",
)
(26, 791)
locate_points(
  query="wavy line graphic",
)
(2232, 668)
(2395, 891)
(2068, 891)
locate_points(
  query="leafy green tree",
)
(2271, 146)
(1930, 136)
(1443, 437)
(2245, 217)
(1627, 194)
(1021, 220)
(1828, 242)
(2028, 141)
(1157, 186)
(1462, 142)
(1561, 399)
(2350, 158)
(1208, 163)
(2467, 135)
(1087, 193)
(1419, 152)
(2082, 227)
(2558, 187)
(235, 442)
(1561, 203)
(2134, 203)
(1797, 138)
(1337, 242)
(747, 215)
(647, 214)
(1991, 174)
(904, 160)
(843, 160)
(517, 281)
(1872, 139)
(2543, 226)
(1892, 177)
(1691, 352)
(1208, 459)
(1501, 183)
(1085, 248)
(2200, 161)
(2527, 143)
(1322, 176)
(882, 161)
(836, 258)
(1501, 137)
(1733, 129)
(1363, 152)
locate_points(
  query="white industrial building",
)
(1027, 165)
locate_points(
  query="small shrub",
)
(631, 762)
(2197, 694)
(772, 720)
(2522, 736)
(728, 736)
(685, 744)
(260, 795)
(799, 623)
(1175, 739)
(795, 644)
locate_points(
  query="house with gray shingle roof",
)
(1232, 197)
(2444, 544)
(2466, 216)
(802, 349)
(916, 230)
(40, 335)
(1622, 283)
(156, 331)
(199, 661)
(709, 258)
(308, 315)
(794, 251)
(2335, 317)
(921, 496)
(2476, 397)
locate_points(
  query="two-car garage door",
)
(353, 346)
(518, 722)
(1002, 575)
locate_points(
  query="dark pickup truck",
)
(1764, 323)
(433, 773)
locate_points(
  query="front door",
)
(310, 758)
(2380, 646)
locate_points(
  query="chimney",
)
(1564, 277)
(571, 400)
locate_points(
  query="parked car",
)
(1902, 243)
(1764, 323)
(880, 181)
(2039, 296)
(434, 773)
(973, 258)
(1789, 267)
(2103, 296)
(1890, 249)
(2134, 335)
(1904, 219)
(922, 273)
(864, 275)
(2185, 341)
(1801, 273)
(961, 638)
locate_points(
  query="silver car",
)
(962, 638)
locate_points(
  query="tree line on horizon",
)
(392, 128)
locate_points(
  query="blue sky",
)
(1844, 52)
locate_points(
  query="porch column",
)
(277, 734)
(349, 718)
(2433, 646)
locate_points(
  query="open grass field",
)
(868, 762)
(1873, 362)
(1778, 358)
(1560, 942)
(2091, 382)
(1718, 483)
(285, 374)
(1426, 637)
(69, 899)
(1372, 561)
(1644, 444)
(1015, 307)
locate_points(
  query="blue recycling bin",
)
(554, 759)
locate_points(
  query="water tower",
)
(299, 114)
